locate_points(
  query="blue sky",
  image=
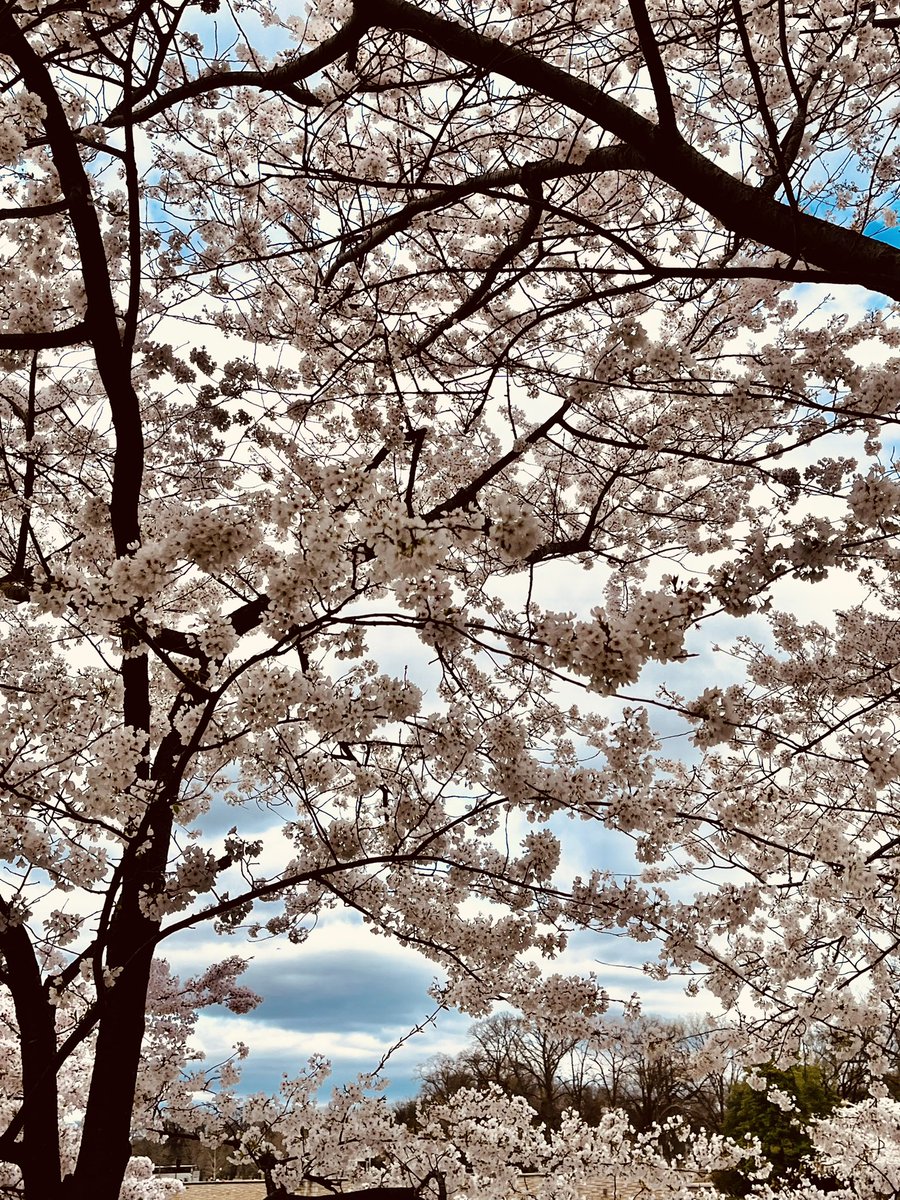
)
(351, 996)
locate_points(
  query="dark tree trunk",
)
(37, 1152)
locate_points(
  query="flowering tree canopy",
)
(336, 328)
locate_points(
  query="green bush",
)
(783, 1135)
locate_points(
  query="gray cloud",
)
(350, 988)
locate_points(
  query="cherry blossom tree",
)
(476, 1142)
(859, 1144)
(338, 332)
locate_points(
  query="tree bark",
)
(37, 1153)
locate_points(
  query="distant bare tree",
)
(652, 1069)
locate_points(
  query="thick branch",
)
(46, 339)
(101, 320)
(36, 210)
(655, 67)
(280, 79)
(743, 209)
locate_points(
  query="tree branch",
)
(46, 339)
(657, 71)
(738, 206)
(36, 210)
(101, 320)
(280, 79)
(603, 158)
